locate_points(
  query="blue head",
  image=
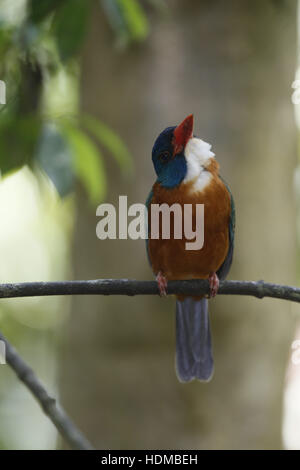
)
(168, 153)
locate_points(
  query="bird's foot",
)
(162, 284)
(213, 284)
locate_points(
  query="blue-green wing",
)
(224, 269)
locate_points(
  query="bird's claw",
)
(214, 284)
(162, 284)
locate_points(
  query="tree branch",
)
(58, 416)
(257, 289)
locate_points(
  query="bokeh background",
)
(89, 85)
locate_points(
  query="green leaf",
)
(87, 162)
(117, 21)
(18, 137)
(69, 27)
(135, 19)
(39, 9)
(6, 35)
(55, 158)
(108, 138)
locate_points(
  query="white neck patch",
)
(198, 156)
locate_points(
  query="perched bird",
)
(187, 173)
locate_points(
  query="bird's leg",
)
(162, 284)
(213, 284)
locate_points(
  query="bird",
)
(188, 173)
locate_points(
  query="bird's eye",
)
(164, 156)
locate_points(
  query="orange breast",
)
(170, 255)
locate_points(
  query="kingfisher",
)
(188, 173)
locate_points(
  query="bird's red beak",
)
(182, 134)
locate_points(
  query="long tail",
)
(194, 359)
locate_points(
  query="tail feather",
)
(194, 359)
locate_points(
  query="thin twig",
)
(257, 289)
(52, 409)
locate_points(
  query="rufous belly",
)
(170, 256)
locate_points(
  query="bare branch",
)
(257, 289)
(52, 409)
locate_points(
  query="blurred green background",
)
(89, 85)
